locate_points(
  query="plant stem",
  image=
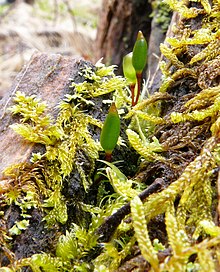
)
(132, 87)
(107, 229)
(139, 80)
(108, 156)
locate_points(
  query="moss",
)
(161, 14)
(176, 134)
(182, 57)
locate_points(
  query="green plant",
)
(110, 131)
(133, 66)
(130, 74)
(139, 59)
(177, 142)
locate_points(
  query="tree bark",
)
(120, 20)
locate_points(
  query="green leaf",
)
(128, 69)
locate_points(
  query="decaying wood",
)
(154, 56)
(47, 77)
(119, 23)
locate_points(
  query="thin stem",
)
(143, 138)
(108, 156)
(132, 87)
(139, 80)
(107, 229)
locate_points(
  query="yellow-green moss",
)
(187, 202)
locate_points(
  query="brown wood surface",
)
(119, 23)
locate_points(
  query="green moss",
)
(178, 140)
(161, 14)
(184, 42)
(63, 139)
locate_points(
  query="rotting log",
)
(47, 77)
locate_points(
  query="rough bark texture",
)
(119, 23)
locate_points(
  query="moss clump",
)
(161, 14)
(193, 51)
(176, 134)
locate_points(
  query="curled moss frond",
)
(77, 137)
(185, 43)
(180, 139)
(36, 125)
(121, 186)
(203, 99)
(210, 52)
(149, 117)
(30, 108)
(206, 5)
(44, 261)
(169, 54)
(67, 247)
(206, 261)
(145, 149)
(210, 228)
(59, 208)
(99, 81)
(143, 105)
(178, 241)
(200, 36)
(208, 73)
(200, 167)
(182, 248)
(182, 9)
(199, 115)
(141, 233)
(64, 140)
(179, 74)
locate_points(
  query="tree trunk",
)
(120, 21)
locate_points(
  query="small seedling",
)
(130, 75)
(110, 132)
(139, 60)
(133, 66)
